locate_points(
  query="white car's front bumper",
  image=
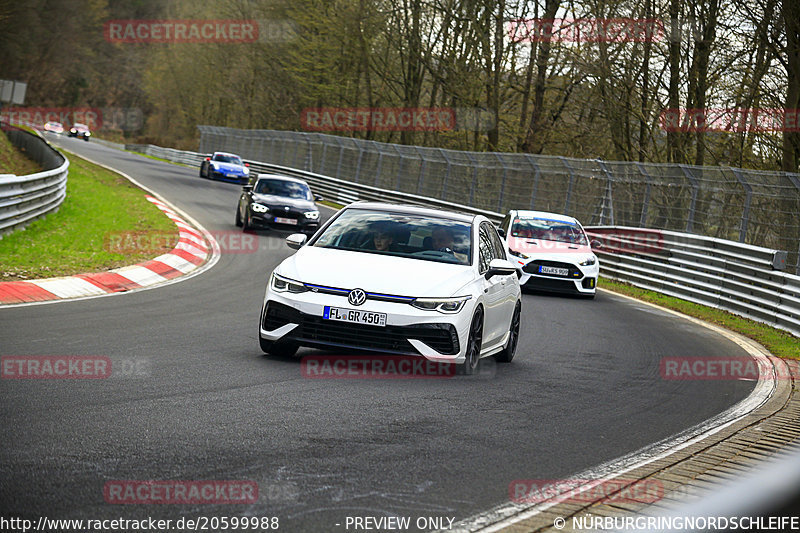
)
(582, 279)
(298, 318)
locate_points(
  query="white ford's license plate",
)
(280, 220)
(553, 270)
(355, 316)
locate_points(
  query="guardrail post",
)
(536, 172)
(399, 168)
(358, 163)
(380, 164)
(609, 195)
(502, 183)
(446, 174)
(341, 156)
(421, 170)
(646, 199)
(570, 185)
(693, 206)
(748, 190)
(474, 179)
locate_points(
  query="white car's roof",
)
(413, 210)
(226, 153)
(546, 215)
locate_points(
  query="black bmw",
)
(278, 201)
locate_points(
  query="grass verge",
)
(14, 161)
(105, 222)
(778, 342)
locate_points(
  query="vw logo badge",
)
(357, 297)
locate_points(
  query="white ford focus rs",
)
(553, 251)
(396, 279)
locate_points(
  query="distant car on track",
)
(54, 127)
(280, 202)
(80, 130)
(396, 279)
(226, 167)
(552, 251)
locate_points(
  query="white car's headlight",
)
(517, 254)
(588, 261)
(281, 284)
(443, 305)
(313, 215)
(258, 208)
(88, 133)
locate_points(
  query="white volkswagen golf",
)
(396, 279)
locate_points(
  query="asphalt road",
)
(202, 403)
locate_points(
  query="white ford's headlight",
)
(281, 284)
(517, 254)
(258, 208)
(313, 215)
(588, 261)
(443, 305)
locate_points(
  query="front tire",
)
(238, 220)
(247, 223)
(474, 343)
(507, 354)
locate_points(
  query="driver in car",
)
(443, 240)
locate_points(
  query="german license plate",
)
(553, 270)
(354, 316)
(280, 220)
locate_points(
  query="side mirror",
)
(318, 198)
(296, 240)
(501, 232)
(247, 188)
(500, 267)
(247, 165)
(208, 159)
(596, 244)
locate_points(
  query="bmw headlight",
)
(258, 208)
(281, 284)
(312, 215)
(588, 261)
(443, 305)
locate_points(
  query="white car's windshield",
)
(228, 159)
(548, 230)
(380, 232)
(289, 189)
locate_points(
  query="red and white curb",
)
(192, 251)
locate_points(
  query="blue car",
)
(226, 167)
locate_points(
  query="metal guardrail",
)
(26, 198)
(745, 205)
(744, 279)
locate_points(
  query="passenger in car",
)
(382, 239)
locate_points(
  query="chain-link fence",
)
(754, 207)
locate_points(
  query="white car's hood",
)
(375, 273)
(550, 250)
